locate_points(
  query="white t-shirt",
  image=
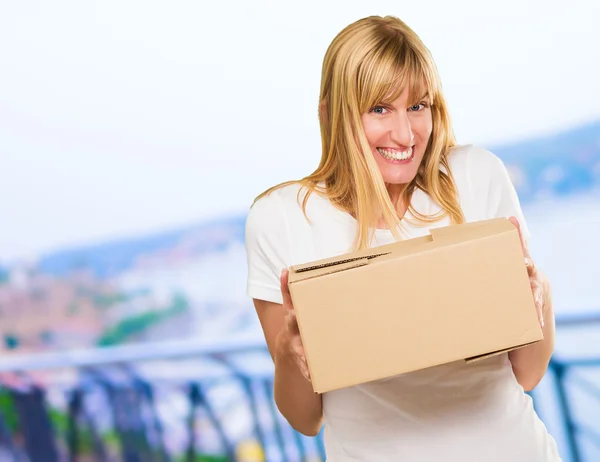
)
(452, 413)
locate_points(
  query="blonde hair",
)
(369, 62)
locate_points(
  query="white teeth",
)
(395, 155)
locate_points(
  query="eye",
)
(417, 107)
(378, 110)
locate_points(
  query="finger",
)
(305, 371)
(285, 290)
(541, 315)
(298, 348)
(538, 297)
(292, 322)
(529, 264)
(299, 356)
(531, 269)
(303, 366)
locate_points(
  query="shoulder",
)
(477, 169)
(269, 216)
(275, 204)
(484, 183)
(471, 159)
(272, 234)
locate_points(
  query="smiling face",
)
(398, 133)
(381, 96)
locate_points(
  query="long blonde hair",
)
(369, 62)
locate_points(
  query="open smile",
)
(396, 156)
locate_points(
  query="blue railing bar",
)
(585, 385)
(564, 404)
(299, 440)
(268, 389)
(580, 362)
(146, 390)
(246, 382)
(178, 348)
(194, 402)
(129, 353)
(74, 411)
(590, 434)
(215, 421)
(253, 401)
(321, 443)
(578, 319)
(6, 442)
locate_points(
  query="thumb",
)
(516, 223)
(285, 290)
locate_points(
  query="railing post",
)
(560, 369)
(194, 399)
(72, 432)
(268, 386)
(197, 394)
(258, 430)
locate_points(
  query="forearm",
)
(530, 363)
(294, 394)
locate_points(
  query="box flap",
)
(320, 267)
(339, 262)
(438, 237)
(473, 230)
(314, 272)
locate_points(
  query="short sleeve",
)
(267, 248)
(498, 192)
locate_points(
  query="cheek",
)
(373, 131)
(423, 127)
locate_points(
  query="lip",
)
(396, 148)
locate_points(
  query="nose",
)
(401, 130)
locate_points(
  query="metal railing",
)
(137, 430)
(572, 392)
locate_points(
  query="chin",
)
(400, 176)
(398, 173)
(398, 181)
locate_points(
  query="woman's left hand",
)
(539, 285)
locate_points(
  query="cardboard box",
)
(460, 293)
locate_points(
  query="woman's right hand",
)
(289, 337)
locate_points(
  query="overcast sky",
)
(123, 117)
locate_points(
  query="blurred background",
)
(133, 139)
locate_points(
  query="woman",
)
(389, 170)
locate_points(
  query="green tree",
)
(11, 341)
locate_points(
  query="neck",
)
(395, 191)
(396, 196)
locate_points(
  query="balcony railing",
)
(210, 400)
